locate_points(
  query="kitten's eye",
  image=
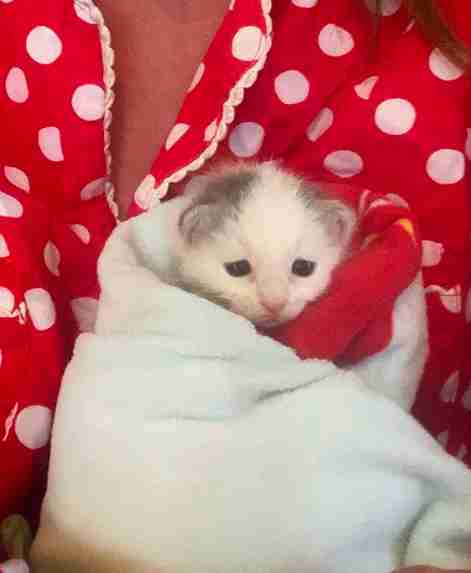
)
(303, 268)
(238, 268)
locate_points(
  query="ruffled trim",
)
(145, 189)
(109, 78)
(150, 196)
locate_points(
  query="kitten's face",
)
(265, 264)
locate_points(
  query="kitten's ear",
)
(341, 222)
(196, 223)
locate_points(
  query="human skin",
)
(158, 45)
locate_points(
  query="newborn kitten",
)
(260, 241)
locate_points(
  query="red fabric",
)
(344, 325)
(325, 103)
(49, 236)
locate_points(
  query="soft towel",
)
(186, 442)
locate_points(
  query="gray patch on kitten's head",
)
(216, 201)
(220, 197)
(338, 218)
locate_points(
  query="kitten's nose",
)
(274, 305)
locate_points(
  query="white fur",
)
(273, 230)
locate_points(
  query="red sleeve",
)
(54, 220)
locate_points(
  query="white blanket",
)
(184, 442)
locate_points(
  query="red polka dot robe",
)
(297, 80)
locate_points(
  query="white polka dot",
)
(197, 77)
(41, 308)
(88, 102)
(82, 233)
(176, 133)
(85, 310)
(246, 139)
(4, 250)
(9, 206)
(364, 89)
(93, 189)
(52, 258)
(395, 116)
(432, 253)
(210, 130)
(388, 7)
(335, 41)
(247, 43)
(466, 401)
(16, 85)
(468, 143)
(450, 298)
(84, 11)
(343, 163)
(291, 87)
(304, 3)
(33, 426)
(17, 177)
(450, 388)
(7, 301)
(49, 140)
(43, 45)
(321, 124)
(446, 166)
(442, 67)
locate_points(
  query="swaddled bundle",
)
(186, 442)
